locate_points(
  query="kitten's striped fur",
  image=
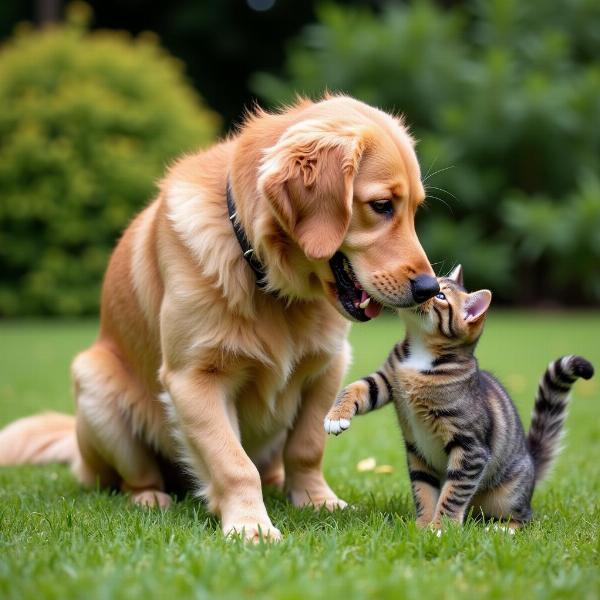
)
(465, 443)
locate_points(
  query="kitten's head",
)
(452, 318)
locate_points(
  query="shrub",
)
(504, 97)
(88, 123)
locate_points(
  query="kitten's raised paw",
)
(336, 426)
(347, 404)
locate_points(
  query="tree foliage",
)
(89, 122)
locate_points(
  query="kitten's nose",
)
(423, 287)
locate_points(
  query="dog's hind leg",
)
(112, 450)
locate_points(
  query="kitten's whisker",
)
(439, 262)
(450, 270)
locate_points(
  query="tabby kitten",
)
(464, 439)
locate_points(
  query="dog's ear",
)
(308, 179)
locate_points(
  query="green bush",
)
(504, 97)
(88, 123)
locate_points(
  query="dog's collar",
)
(247, 250)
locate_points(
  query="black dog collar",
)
(247, 250)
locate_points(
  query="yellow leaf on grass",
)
(384, 469)
(367, 464)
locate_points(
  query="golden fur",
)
(193, 361)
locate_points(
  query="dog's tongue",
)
(374, 307)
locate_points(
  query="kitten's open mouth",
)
(350, 293)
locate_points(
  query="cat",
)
(465, 443)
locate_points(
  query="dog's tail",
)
(549, 411)
(40, 439)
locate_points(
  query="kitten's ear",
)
(476, 305)
(457, 275)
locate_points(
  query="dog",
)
(225, 313)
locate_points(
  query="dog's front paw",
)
(251, 531)
(311, 489)
(317, 500)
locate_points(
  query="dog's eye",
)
(383, 207)
(441, 296)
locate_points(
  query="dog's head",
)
(344, 184)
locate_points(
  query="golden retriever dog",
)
(226, 307)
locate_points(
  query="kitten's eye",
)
(382, 207)
(441, 296)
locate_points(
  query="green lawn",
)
(58, 541)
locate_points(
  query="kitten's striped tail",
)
(549, 411)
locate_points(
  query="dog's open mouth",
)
(350, 293)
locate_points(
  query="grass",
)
(58, 541)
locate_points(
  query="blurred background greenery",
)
(503, 96)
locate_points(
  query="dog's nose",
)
(423, 287)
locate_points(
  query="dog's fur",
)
(193, 361)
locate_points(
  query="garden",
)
(503, 98)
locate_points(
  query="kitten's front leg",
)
(425, 486)
(362, 396)
(467, 459)
(348, 403)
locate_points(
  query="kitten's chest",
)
(429, 444)
(423, 428)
